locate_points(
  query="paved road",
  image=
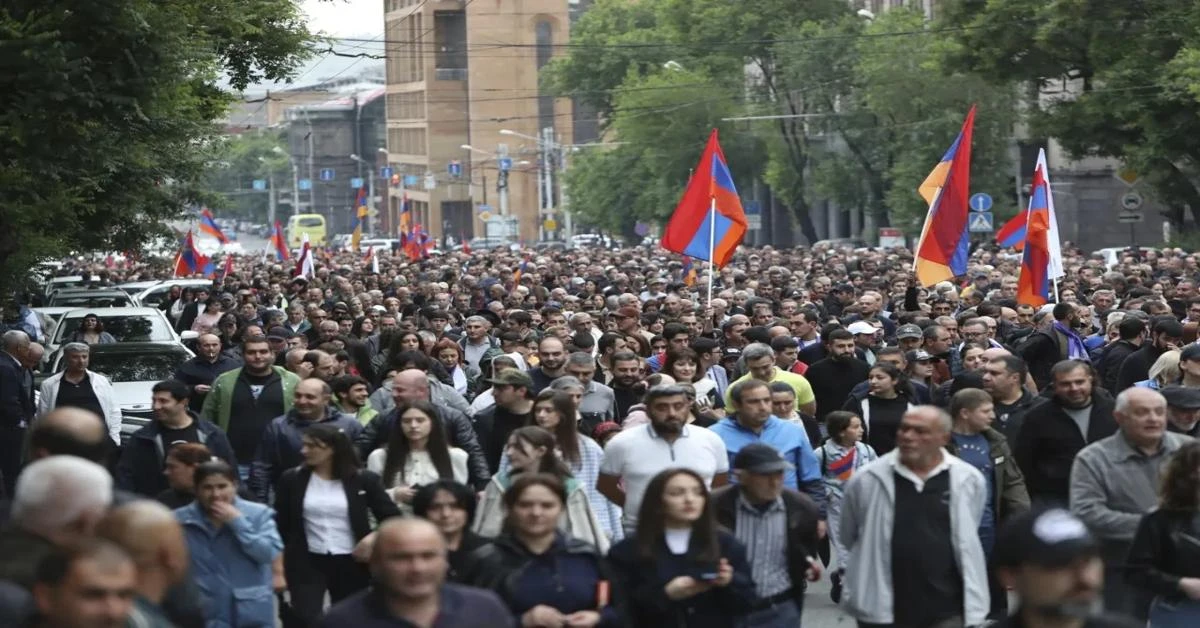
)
(820, 611)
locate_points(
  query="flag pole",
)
(712, 245)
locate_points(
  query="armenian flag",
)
(405, 218)
(709, 222)
(521, 268)
(228, 269)
(1041, 261)
(945, 241)
(208, 226)
(688, 272)
(190, 261)
(279, 243)
(1012, 234)
(360, 217)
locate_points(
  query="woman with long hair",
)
(888, 398)
(91, 331)
(359, 360)
(179, 468)
(417, 453)
(679, 568)
(532, 449)
(546, 577)
(684, 365)
(1164, 560)
(323, 508)
(450, 506)
(555, 411)
(464, 377)
(232, 543)
(208, 320)
(362, 328)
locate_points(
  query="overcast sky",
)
(345, 18)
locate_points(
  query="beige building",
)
(459, 72)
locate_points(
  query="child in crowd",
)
(840, 456)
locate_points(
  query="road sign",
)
(1130, 216)
(1131, 201)
(484, 207)
(386, 172)
(505, 164)
(356, 182)
(980, 202)
(260, 184)
(890, 238)
(550, 224)
(1127, 175)
(754, 221)
(454, 168)
(752, 207)
(411, 180)
(327, 174)
(304, 184)
(980, 222)
(485, 216)
(430, 181)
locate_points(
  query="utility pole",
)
(272, 199)
(502, 180)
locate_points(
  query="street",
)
(820, 611)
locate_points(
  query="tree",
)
(107, 113)
(1109, 79)
(241, 159)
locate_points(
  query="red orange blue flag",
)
(709, 222)
(360, 217)
(279, 243)
(1041, 261)
(190, 261)
(945, 241)
(208, 226)
(1012, 234)
(688, 272)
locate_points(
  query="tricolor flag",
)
(521, 268)
(1041, 261)
(208, 226)
(708, 223)
(360, 218)
(405, 218)
(228, 270)
(304, 263)
(688, 272)
(280, 243)
(190, 261)
(942, 251)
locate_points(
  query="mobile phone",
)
(709, 575)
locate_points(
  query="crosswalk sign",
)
(981, 222)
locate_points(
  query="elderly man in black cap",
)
(1053, 564)
(778, 526)
(1183, 409)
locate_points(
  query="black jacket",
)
(16, 402)
(642, 581)
(1165, 549)
(1048, 441)
(1109, 366)
(1136, 367)
(1010, 422)
(459, 432)
(188, 316)
(1041, 350)
(279, 448)
(365, 496)
(140, 468)
(833, 381)
(200, 372)
(802, 540)
(475, 563)
(493, 437)
(519, 571)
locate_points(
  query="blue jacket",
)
(231, 565)
(791, 440)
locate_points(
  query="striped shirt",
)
(764, 533)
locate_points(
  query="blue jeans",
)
(782, 615)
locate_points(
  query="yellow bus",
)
(300, 224)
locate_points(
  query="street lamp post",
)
(550, 176)
(370, 175)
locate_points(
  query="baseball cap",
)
(860, 327)
(730, 352)
(1190, 352)
(627, 312)
(760, 458)
(512, 377)
(918, 355)
(1182, 397)
(278, 333)
(1046, 537)
(908, 331)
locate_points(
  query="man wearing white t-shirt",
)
(636, 455)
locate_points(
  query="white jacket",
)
(866, 524)
(104, 394)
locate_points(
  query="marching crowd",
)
(582, 438)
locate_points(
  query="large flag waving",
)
(945, 241)
(709, 222)
(279, 243)
(1041, 262)
(209, 226)
(190, 261)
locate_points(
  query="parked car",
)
(91, 298)
(153, 293)
(126, 324)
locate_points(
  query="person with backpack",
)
(839, 457)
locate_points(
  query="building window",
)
(406, 141)
(406, 106)
(450, 45)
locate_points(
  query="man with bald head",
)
(33, 356)
(152, 536)
(413, 385)
(200, 372)
(279, 448)
(70, 431)
(16, 404)
(1114, 482)
(408, 568)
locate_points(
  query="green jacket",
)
(219, 403)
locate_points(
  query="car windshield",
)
(90, 300)
(310, 222)
(121, 366)
(126, 328)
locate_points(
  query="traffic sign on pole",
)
(981, 222)
(1131, 200)
(260, 184)
(411, 180)
(454, 168)
(484, 207)
(327, 174)
(430, 181)
(386, 172)
(505, 164)
(304, 184)
(356, 182)
(980, 202)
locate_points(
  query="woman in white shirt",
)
(416, 454)
(322, 509)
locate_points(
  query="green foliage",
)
(1118, 79)
(240, 159)
(107, 111)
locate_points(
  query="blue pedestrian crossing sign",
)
(980, 202)
(327, 174)
(454, 168)
(980, 222)
(505, 164)
(385, 172)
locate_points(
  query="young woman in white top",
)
(416, 454)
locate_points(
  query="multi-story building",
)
(458, 73)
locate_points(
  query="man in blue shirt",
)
(752, 422)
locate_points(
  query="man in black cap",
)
(514, 408)
(1053, 563)
(1183, 410)
(778, 526)
(909, 337)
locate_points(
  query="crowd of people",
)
(582, 438)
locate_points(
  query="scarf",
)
(1076, 350)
